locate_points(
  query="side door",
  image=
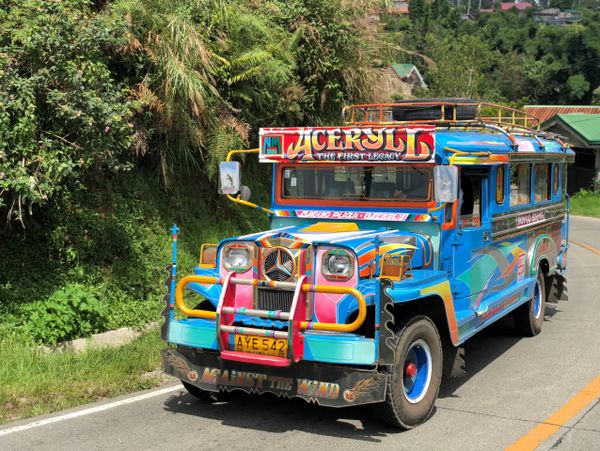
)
(475, 268)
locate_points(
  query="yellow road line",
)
(586, 246)
(542, 432)
(554, 422)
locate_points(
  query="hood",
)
(365, 243)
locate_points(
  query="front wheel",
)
(529, 317)
(415, 378)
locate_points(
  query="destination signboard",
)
(348, 144)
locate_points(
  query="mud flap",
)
(324, 384)
(558, 289)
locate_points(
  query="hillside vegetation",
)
(115, 113)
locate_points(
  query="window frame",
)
(393, 203)
(548, 187)
(530, 181)
(555, 179)
(501, 177)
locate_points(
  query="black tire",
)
(205, 395)
(404, 409)
(467, 110)
(529, 317)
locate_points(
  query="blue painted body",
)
(487, 277)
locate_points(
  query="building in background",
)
(580, 124)
(519, 6)
(554, 16)
(409, 74)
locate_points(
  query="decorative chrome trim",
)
(525, 220)
(239, 244)
(279, 264)
(336, 277)
(527, 157)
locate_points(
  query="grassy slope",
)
(34, 383)
(586, 203)
(112, 237)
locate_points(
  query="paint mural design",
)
(492, 269)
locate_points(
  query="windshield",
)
(356, 183)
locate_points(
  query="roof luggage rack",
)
(447, 112)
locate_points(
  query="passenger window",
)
(541, 183)
(563, 172)
(469, 200)
(500, 185)
(520, 184)
(556, 179)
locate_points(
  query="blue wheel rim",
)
(416, 386)
(537, 301)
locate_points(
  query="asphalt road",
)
(511, 385)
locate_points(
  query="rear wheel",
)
(205, 395)
(415, 377)
(529, 317)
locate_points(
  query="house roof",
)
(519, 5)
(587, 126)
(545, 112)
(403, 70)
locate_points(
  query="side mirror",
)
(445, 183)
(229, 177)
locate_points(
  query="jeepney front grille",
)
(274, 299)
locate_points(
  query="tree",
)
(578, 86)
(461, 65)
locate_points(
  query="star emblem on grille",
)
(278, 264)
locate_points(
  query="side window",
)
(555, 179)
(520, 184)
(563, 173)
(500, 185)
(469, 200)
(541, 182)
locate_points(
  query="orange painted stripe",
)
(366, 257)
(586, 246)
(536, 436)
(590, 393)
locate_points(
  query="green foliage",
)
(206, 74)
(34, 383)
(71, 312)
(578, 86)
(504, 56)
(61, 111)
(586, 203)
(114, 243)
(460, 66)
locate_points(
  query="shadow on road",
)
(272, 414)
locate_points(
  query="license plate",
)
(261, 345)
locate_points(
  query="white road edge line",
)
(91, 410)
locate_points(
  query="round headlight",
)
(338, 264)
(236, 257)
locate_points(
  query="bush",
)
(71, 312)
(62, 114)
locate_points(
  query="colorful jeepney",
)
(393, 239)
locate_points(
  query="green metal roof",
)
(403, 70)
(585, 125)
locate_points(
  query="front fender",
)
(210, 292)
(426, 283)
